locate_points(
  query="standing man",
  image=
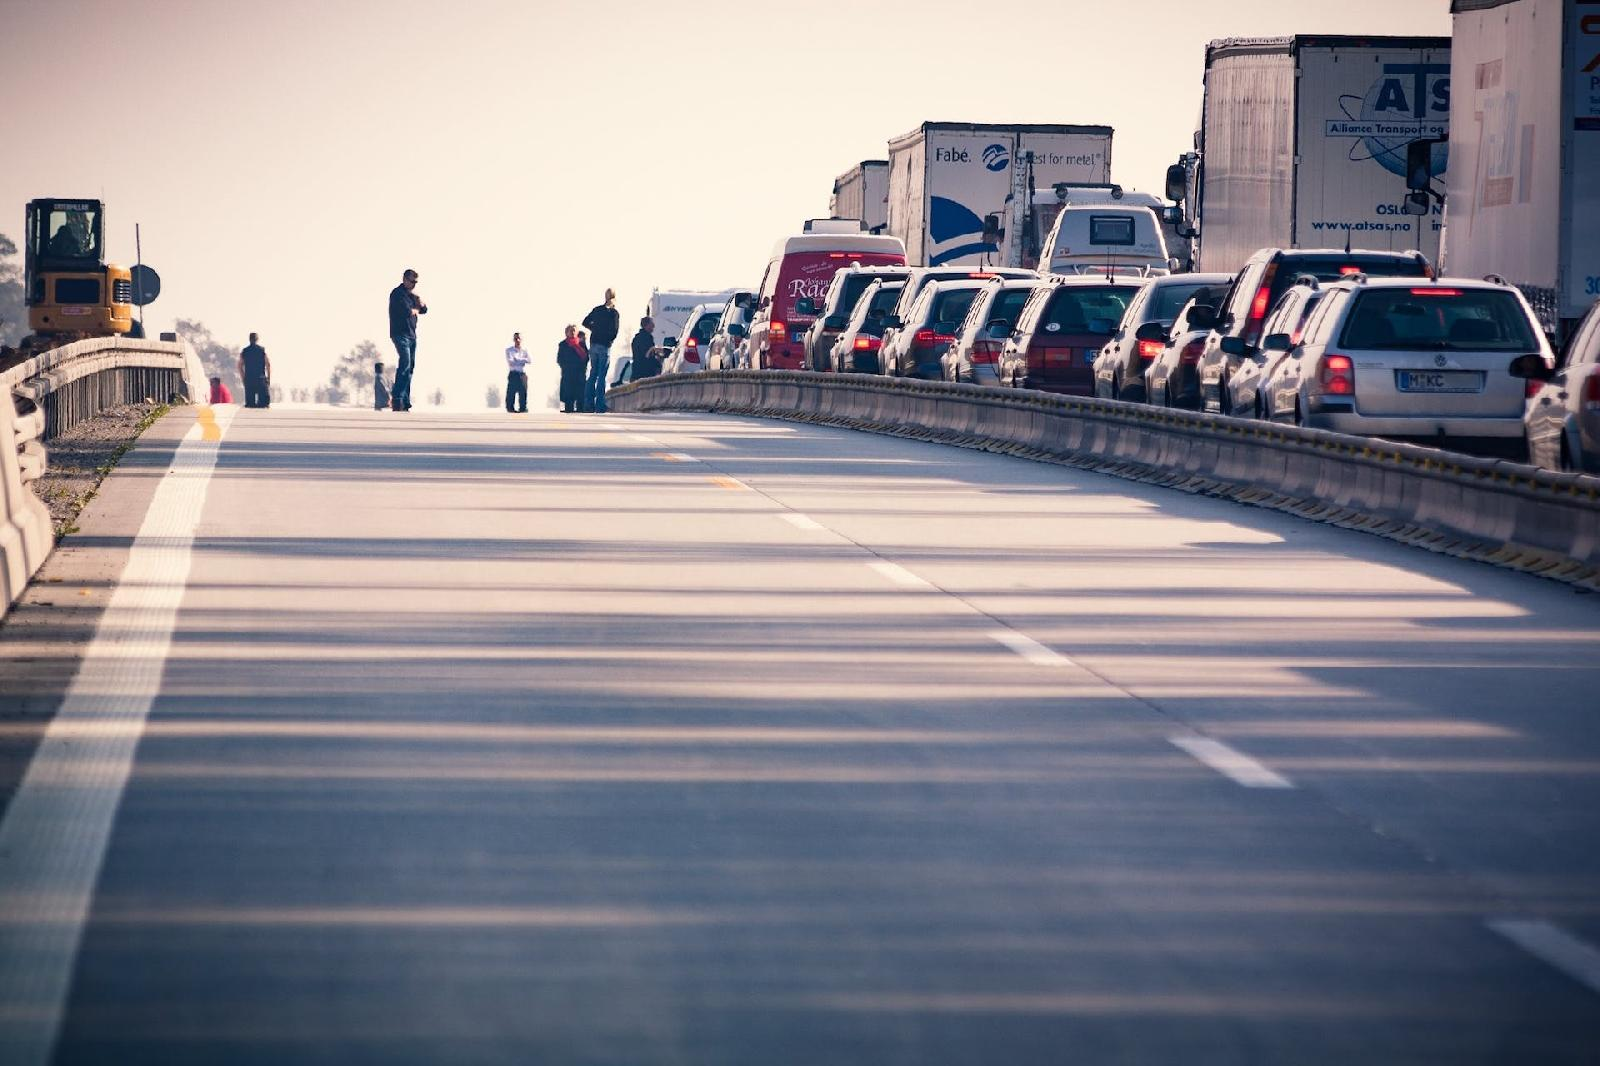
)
(256, 370)
(646, 363)
(404, 307)
(602, 323)
(517, 361)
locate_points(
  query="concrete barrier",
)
(51, 393)
(1499, 512)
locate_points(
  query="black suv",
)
(1266, 275)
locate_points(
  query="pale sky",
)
(288, 159)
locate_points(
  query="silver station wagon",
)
(1411, 359)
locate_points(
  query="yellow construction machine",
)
(71, 291)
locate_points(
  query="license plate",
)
(1439, 380)
(74, 310)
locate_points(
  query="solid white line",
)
(899, 574)
(1029, 648)
(54, 835)
(1576, 958)
(1231, 762)
(800, 521)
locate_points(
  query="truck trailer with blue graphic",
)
(944, 177)
(1303, 143)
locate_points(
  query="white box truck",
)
(944, 177)
(863, 192)
(671, 308)
(1524, 181)
(1303, 143)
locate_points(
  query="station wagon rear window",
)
(1074, 309)
(1110, 229)
(1438, 318)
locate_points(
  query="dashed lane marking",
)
(800, 521)
(674, 457)
(1029, 648)
(1230, 762)
(730, 483)
(642, 439)
(1553, 945)
(899, 575)
(55, 831)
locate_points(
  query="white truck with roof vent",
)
(863, 192)
(1524, 180)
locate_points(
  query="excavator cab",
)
(70, 287)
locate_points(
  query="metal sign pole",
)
(138, 275)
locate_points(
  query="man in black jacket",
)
(646, 363)
(603, 324)
(256, 370)
(404, 307)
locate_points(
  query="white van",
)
(1106, 239)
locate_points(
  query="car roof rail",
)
(1308, 280)
(1358, 278)
(1495, 279)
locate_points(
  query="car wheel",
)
(1299, 419)
(1565, 462)
(1224, 397)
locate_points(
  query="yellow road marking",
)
(209, 430)
(731, 483)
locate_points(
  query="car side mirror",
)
(1531, 366)
(834, 322)
(892, 322)
(1150, 331)
(1203, 316)
(998, 330)
(805, 306)
(1236, 347)
(1277, 342)
(669, 342)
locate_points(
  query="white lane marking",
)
(54, 835)
(899, 574)
(1029, 648)
(1231, 762)
(1576, 958)
(642, 439)
(681, 457)
(800, 521)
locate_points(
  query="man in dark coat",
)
(603, 324)
(404, 307)
(256, 371)
(646, 363)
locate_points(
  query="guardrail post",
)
(25, 534)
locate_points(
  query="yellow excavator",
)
(71, 291)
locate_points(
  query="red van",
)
(801, 268)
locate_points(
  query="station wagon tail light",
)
(866, 344)
(778, 330)
(1192, 351)
(1348, 271)
(1336, 375)
(926, 338)
(1258, 305)
(691, 351)
(986, 351)
(1591, 394)
(982, 274)
(1150, 349)
(1435, 292)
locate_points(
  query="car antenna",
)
(1346, 242)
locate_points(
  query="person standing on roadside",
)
(256, 371)
(571, 357)
(646, 363)
(603, 324)
(404, 307)
(517, 359)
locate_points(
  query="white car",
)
(691, 351)
(1411, 359)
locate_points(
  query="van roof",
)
(878, 244)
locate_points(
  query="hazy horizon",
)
(286, 163)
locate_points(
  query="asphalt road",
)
(637, 740)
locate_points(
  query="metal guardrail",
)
(49, 394)
(1499, 512)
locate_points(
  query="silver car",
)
(1410, 359)
(1282, 330)
(1563, 417)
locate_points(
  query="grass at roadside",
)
(80, 459)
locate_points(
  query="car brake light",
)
(986, 351)
(923, 338)
(1347, 271)
(1591, 393)
(1258, 305)
(982, 274)
(1436, 292)
(1150, 349)
(1192, 351)
(691, 351)
(778, 330)
(1336, 375)
(866, 344)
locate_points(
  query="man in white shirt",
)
(517, 360)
